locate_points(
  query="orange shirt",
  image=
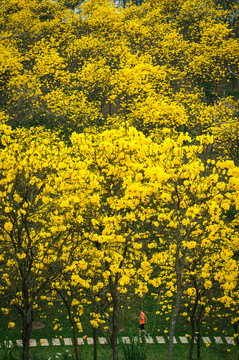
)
(142, 318)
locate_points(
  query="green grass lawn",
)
(154, 352)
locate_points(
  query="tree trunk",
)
(198, 343)
(76, 347)
(114, 334)
(73, 323)
(199, 320)
(236, 331)
(173, 322)
(26, 332)
(192, 319)
(95, 342)
(115, 316)
(179, 265)
(192, 338)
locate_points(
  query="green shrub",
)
(134, 350)
(6, 351)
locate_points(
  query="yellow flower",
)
(21, 256)
(5, 311)
(8, 226)
(11, 324)
(74, 302)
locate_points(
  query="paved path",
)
(101, 340)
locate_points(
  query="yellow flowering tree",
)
(31, 239)
(164, 67)
(109, 222)
(193, 241)
(151, 65)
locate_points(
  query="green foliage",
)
(134, 350)
(231, 213)
(66, 355)
(6, 352)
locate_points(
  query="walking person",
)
(142, 320)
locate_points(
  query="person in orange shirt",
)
(142, 319)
